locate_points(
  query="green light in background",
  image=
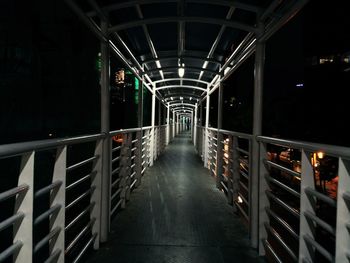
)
(137, 83)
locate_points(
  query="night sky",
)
(50, 81)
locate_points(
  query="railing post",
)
(235, 168)
(263, 200)
(219, 144)
(206, 141)
(124, 173)
(153, 110)
(257, 128)
(23, 230)
(96, 182)
(229, 170)
(138, 158)
(168, 125)
(342, 252)
(58, 197)
(194, 125)
(306, 204)
(106, 151)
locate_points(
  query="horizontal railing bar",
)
(144, 137)
(242, 151)
(224, 186)
(78, 237)
(133, 141)
(133, 174)
(116, 206)
(233, 133)
(243, 198)
(11, 220)
(133, 157)
(115, 182)
(274, 233)
(14, 149)
(116, 193)
(79, 181)
(283, 204)
(320, 222)
(74, 166)
(13, 192)
(11, 250)
(245, 175)
(82, 252)
(283, 223)
(143, 170)
(54, 256)
(282, 185)
(308, 146)
(47, 189)
(318, 195)
(242, 211)
(133, 149)
(133, 183)
(244, 186)
(133, 165)
(47, 239)
(115, 170)
(282, 168)
(76, 219)
(272, 252)
(308, 239)
(47, 214)
(116, 148)
(346, 197)
(91, 190)
(123, 131)
(115, 159)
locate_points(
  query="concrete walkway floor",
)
(177, 215)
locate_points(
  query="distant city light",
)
(300, 85)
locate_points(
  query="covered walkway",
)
(177, 215)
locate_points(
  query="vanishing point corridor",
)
(177, 215)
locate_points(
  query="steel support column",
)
(206, 141)
(257, 130)
(219, 149)
(195, 126)
(106, 148)
(152, 124)
(168, 125)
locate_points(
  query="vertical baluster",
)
(342, 252)
(96, 181)
(23, 230)
(306, 204)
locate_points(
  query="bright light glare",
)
(181, 72)
(158, 64)
(239, 200)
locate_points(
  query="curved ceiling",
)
(209, 38)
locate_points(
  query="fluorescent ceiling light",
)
(158, 64)
(182, 70)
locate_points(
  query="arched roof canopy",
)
(208, 38)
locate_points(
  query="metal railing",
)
(56, 216)
(304, 192)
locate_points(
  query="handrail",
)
(14, 149)
(309, 146)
